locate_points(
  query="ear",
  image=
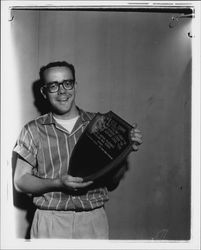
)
(75, 86)
(42, 90)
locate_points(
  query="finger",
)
(76, 185)
(135, 147)
(85, 184)
(137, 140)
(136, 130)
(74, 179)
(138, 135)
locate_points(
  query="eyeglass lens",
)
(54, 86)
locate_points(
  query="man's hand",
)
(136, 137)
(74, 183)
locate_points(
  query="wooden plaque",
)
(104, 144)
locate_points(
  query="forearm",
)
(31, 184)
(26, 182)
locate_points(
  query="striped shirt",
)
(47, 146)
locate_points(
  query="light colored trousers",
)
(70, 225)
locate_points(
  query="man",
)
(67, 207)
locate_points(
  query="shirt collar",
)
(49, 119)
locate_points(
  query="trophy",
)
(104, 144)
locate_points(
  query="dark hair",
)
(56, 64)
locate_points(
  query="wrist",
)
(58, 183)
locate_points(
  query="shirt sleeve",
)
(26, 147)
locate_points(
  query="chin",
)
(63, 109)
(61, 112)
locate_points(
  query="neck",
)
(69, 115)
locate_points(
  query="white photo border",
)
(8, 240)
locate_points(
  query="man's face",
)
(62, 101)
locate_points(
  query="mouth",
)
(63, 99)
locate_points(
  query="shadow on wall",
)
(40, 103)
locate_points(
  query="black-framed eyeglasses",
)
(53, 87)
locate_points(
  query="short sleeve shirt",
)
(47, 147)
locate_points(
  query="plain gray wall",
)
(134, 64)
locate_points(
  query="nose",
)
(61, 89)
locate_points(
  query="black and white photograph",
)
(100, 125)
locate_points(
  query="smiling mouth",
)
(63, 99)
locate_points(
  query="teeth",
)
(63, 100)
